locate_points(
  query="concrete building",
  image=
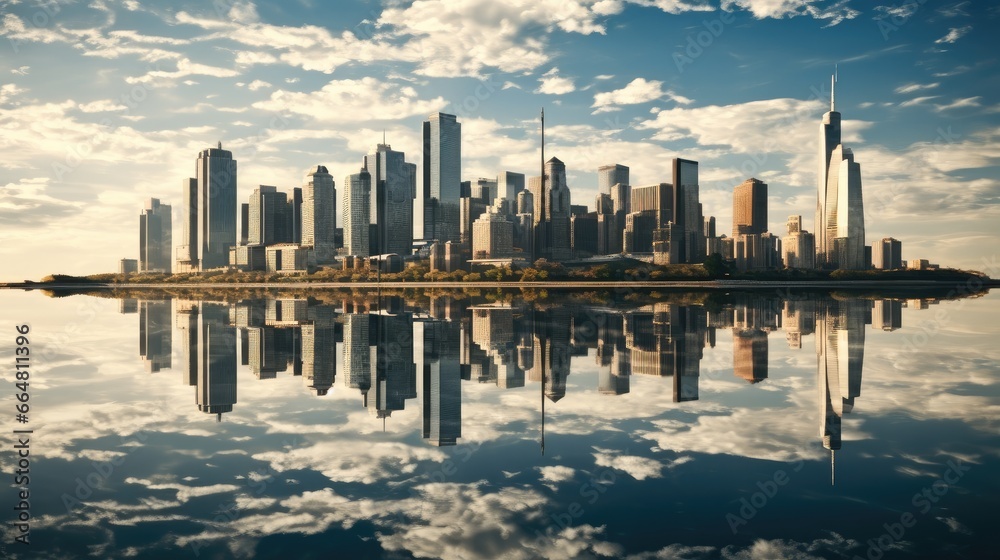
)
(583, 228)
(658, 198)
(609, 176)
(887, 254)
(552, 226)
(128, 266)
(493, 236)
(270, 217)
(286, 257)
(319, 214)
(510, 185)
(798, 248)
(155, 237)
(750, 207)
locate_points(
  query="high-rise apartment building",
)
(155, 237)
(357, 213)
(216, 176)
(887, 254)
(319, 214)
(393, 186)
(687, 212)
(509, 185)
(442, 170)
(609, 176)
(270, 217)
(750, 207)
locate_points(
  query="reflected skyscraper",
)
(750, 355)
(155, 335)
(211, 356)
(840, 342)
(442, 379)
(319, 346)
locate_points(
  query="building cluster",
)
(394, 351)
(507, 219)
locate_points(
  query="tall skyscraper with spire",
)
(442, 177)
(840, 220)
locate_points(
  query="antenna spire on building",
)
(833, 86)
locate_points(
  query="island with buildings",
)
(507, 228)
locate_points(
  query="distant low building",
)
(887, 254)
(287, 257)
(128, 266)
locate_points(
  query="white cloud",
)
(910, 88)
(959, 104)
(8, 91)
(637, 91)
(954, 34)
(918, 100)
(362, 100)
(258, 84)
(101, 106)
(247, 58)
(184, 68)
(778, 9)
(554, 84)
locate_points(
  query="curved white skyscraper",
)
(840, 220)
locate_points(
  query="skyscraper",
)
(509, 185)
(319, 214)
(839, 207)
(687, 212)
(187, 251)
(393, 186)
(750, 207)
(270, 217)
(442, 177)
(155, 237)
(610, 175)
(492, 236)
(556, 214)
(357, 215)
(216, 175)
(887, 254)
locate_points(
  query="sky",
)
(104, 104)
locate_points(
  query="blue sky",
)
(104, 104)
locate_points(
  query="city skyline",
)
(917, 80)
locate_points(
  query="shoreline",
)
(547, 285)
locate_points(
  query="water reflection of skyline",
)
(383, 349)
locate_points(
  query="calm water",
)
(743, 426)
